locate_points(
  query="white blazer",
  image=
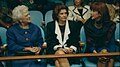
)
(73, 12)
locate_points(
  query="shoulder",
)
(15, 26)
(110, 24)
(87, 6)
(51, 23)
(71, 7)
(34, 27)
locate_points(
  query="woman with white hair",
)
(23, 38)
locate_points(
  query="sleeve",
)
(11, 40)
(110, 41)
(74, 48)
(50, 37)
(90, 45)
(40, 38)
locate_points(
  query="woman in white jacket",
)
(79, 12)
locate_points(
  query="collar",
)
(59, 35)
(77, 12)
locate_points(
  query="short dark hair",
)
(57, 9)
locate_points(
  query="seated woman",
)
(100, 32)
(79, 11)
(24, 38)
(62, 36)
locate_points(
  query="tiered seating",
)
(3, 34)
(36, 17)
(4, 42)
(48, 16)
(69, 3)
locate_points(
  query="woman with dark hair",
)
(62, 36)
(100, 31)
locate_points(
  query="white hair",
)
(18, 11)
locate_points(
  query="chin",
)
(29, 21)
(93, 18)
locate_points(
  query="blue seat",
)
(48, 16)
(4, 39)
(117, 38)
(36, 17)
(3, 35)
(69, 3)
(83, 38)
(117, 31)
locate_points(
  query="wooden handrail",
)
(58, 56)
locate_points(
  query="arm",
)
(37, 44)
(11, 40)
(90, 46)
(40, 38)
(50, 36)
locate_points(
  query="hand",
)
(78, 18)
(70, 50)
(36, 50)
(64, 50)
(27, 49)
(103, 51)
(94, 51)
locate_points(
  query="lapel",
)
(58, 32)
(77, 12)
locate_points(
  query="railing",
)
(58, 56)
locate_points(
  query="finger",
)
(37, 52)
(65, 50)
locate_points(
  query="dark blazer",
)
(74, 36)
(98, 39)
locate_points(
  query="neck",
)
(61, 23)
(78, 6)
(98, 25)
(24, 26)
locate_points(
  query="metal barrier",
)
(58, 56)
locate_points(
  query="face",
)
(95, 15)
(62, 15)
(26, 17)
(77, 2)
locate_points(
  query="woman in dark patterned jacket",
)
(100, 30)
